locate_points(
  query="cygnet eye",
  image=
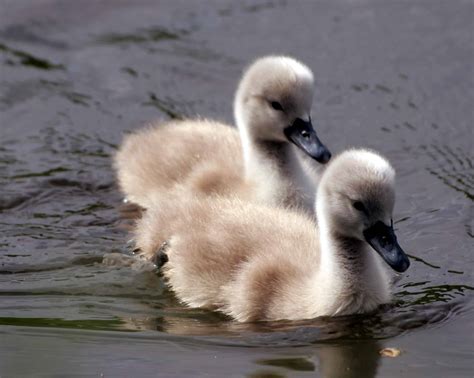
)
(305, 134)
(276, 105)
(359, 206)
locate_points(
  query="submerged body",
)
(257, 162)
(259, 263)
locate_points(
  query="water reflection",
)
(332, 360)
(150, 306)
(388, 322)
(291, 363)
(349, 360)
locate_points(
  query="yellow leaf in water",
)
(390, 352)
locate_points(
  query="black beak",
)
(382, 238)
(303, 135)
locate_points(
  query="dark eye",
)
(276, 105)
(359, 206)
(305, 134)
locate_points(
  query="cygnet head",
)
(356, 197)
(273, 104)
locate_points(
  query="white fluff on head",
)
(370, 161)
(355, 175)
(373, 160)
(278, 76)
(300, 70)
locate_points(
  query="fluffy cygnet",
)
(258, 162)
(255, 262)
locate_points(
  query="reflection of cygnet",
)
(272, 110)
(351, 360)
(260, 263)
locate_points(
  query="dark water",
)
(75, 75)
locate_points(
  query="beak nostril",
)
(303, 135)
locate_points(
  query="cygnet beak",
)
(302, 134)
(382, 238)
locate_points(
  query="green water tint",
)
(45, 216)
(130, 71)
(360, 87)
(165, 106)
(63, 89)
(455, 271)
(453, 166)
(419, 259)
(266, 374)
(102, 325)
(47, 173)
(156, 34)
(296, 364)
(27, 59)
(383, 88)
(434, 294)
(77, 98)
(89, 209)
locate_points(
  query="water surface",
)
(76, 76)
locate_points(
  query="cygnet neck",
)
(274, 167)
(348, 265)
